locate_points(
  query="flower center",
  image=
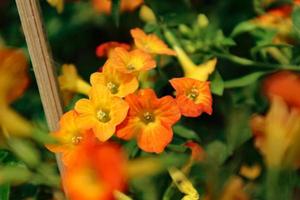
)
(148, 117)
(113, 88)
(193, 94)
(130, 67)
(103, 116)
(76, 139)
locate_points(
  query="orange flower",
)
(105, 49)
(102, 112)
(69, 138)
(130, 61)
(286, 85)
(119, 84)
(150, 120)
(126, 5)
(14, 76)
(234, 189)
(150, 43)
(98, 173)
(193, 97)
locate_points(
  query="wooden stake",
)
(41, 57)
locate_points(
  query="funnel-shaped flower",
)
(118, 83)
(286, 85)
(98, 173)
(193, 97)
(105, 49)
(130, 61)
(150, 120)
(150, 43)
(191, 70)
(277, 134)
(69, 138)
(102, 112)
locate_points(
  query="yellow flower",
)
(102, 112)
(183, 184)
(277, 135)
(191, 70)
(118, 83)
(70, 82)
(58, 4)
(147, 15)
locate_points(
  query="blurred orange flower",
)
(126, 5)
(69, 138)
(119, 84)
(234, 190)
(278, 19)
(150, 43)
(102, 112)
(286, 85)
(277, 134)
(193, 97)
(130, 61)
(14, 77)
(150, 120)
(105, 49)
(98, 173)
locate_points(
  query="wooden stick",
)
(41, 57)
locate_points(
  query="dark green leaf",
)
(184, 132)
(115, 11)
(217, 83)
(4, 192)
(242, 28)
(244, 81)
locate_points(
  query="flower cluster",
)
(117, 107)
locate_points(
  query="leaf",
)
(25, 150)
(4, 192)
(14, 174)
(186, 133)
(296, 19)
(216, 83)
(242, 28)
(177, 148)
(244, 81)
(217, 152)
(115, 11)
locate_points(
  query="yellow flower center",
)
(193, 94)
(76, 139)
(113, 88)
(103, 116)
(148, 117)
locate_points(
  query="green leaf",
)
(186, 133)
(242, 28)
(244, 81)
(4, 192)
(14, 174)
(177, 148)
(217, 152)
(216, 83)
(296, 19)
(115, 11)
(25, 150)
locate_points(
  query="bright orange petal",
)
(154, 138)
